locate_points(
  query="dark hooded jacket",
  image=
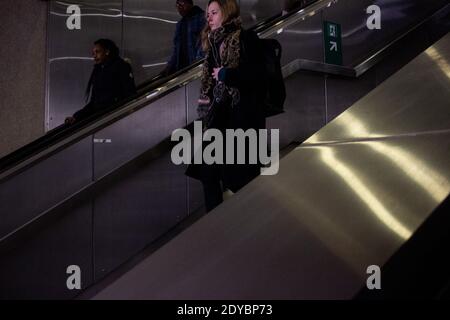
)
(110, 82)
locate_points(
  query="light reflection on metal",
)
(355, 30)
(92, 59)
(154, 64)
(119, 15)
(298, 16)
(332, 234)
(433, 183)
(364, 193)
(153, 94)
(303, 31)
(440, 60)
(70, 58)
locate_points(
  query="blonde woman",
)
(230, 94)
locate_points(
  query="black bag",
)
(273, 77)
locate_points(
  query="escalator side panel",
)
(140, 131)
(40, 187)
(253, 11)
(135, 210)
(38, 269)
(302, 40)
(410, 118)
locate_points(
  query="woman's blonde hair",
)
(230, 11)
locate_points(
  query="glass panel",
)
(70, 52)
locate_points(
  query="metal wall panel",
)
(305, 105)
(327, 212)
(28, 194)
(69, 52)
(138, 132)
(305, 108)
(408, 117)
(396, 17)
(136, 210)
(303, 40)
(148, 31)
(37, 270)
(342, 93)
(417, 42)
(254, 11)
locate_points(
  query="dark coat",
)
(192, 24)
(245, 114)
(248, 113)
(110, 82)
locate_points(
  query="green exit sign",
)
(333, 43)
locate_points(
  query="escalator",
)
(359, 210)
(95, 194)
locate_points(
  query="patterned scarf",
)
(217, 92)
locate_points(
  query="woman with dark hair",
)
(111, 80)
(229, 98)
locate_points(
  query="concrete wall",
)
(22, 72)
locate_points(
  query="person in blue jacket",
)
(186, 42)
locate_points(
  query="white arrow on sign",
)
(333, 46)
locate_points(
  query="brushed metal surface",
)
(301, 40)
(396, 15)
(308, 233)
(140, 131)
(337, 205)
(70, 60)
(305, 108)
(38, 268)
(136, 210)
(148, 30)
(407, 103)
(254, 11)
(37, 189)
